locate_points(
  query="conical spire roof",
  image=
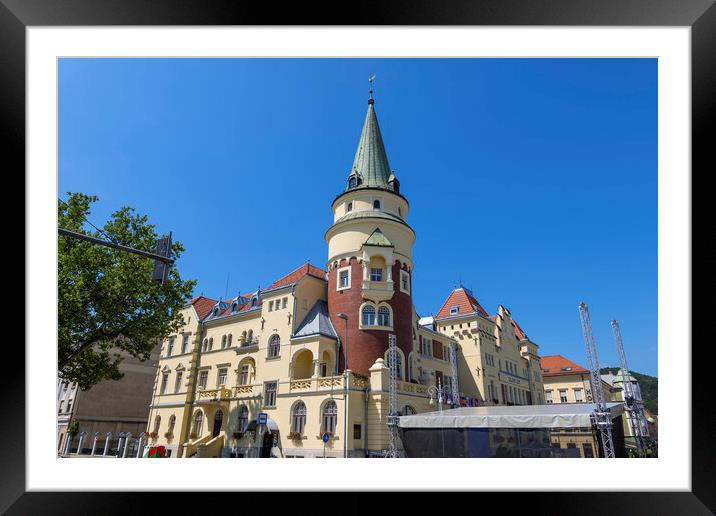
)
(370, 166)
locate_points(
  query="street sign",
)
(263, 418)
(325, 437)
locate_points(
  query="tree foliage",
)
(107, 304)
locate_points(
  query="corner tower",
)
(370, 256)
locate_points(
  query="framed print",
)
(545, 155)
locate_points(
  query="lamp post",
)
(433, 391)
(345, 386)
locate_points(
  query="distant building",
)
(110, 406)
(616, 383)
(568, 382)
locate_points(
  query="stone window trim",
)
(375, 326)
(338, 278)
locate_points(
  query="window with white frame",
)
(244, 375)
(376, 274)
(383, 316)
(198, 420)
(548, 396)
(274, 347)
(344, 278)
(165, 379)
(330, 416)
(270, 307)
(185, 343)
(368, 315)
(177, 382)
(243, 419)
(221, 377)
(203, 379)
(170, 347)
(563, 395)
(578, 395)
(285, 302)
(270, 394)
(453, 310)
(298, 418)
(405, 282)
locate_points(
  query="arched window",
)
(198, 420)
(352, 182)
(298, 418)
(245, 371)
(205, 347)
(274, 347)
(349, 207)
(330, 416)
(376, 204)
(243, 420)
(408, 410)
(368, 315)
(250, 337)
(383, 316)
(157, 423)
(228, 341)
(211, 343)
(172, 422)
(254, 301)
(223, 341)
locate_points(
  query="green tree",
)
(107, 303)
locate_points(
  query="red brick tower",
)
(370, 257)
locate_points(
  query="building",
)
(114, 406)
(568, 382)
(616, 382)
(310, 350)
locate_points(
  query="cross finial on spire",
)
(370, 92)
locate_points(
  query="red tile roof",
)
(202, 305)
(464, 300)
(554, 365)
(518, 331)
(294, 276)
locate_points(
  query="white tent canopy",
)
(559, 415)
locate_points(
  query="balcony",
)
(315, 384)
(243, 390)
(377, 290)
(247, 347)
(220, 394)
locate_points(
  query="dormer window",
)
(454, 310)
(254, 300)
(216, 311)
(376, 204)
(352, 182)
(234, 307)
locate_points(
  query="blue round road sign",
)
(325, 437)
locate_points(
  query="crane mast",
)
(633, 410)
(393, 397)
(601, 416)
(454, 388)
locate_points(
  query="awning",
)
(558, 415)
(270, 424)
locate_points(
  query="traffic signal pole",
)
(164, 244)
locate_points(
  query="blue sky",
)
(531, 181)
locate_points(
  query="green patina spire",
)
(370, 165)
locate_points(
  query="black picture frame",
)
(700, 15)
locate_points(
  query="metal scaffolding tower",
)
(393, 397)
(633, 410)
(601, 416)
(454, 389)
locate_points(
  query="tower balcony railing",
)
(377, 290)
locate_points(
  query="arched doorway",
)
(218, 418)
